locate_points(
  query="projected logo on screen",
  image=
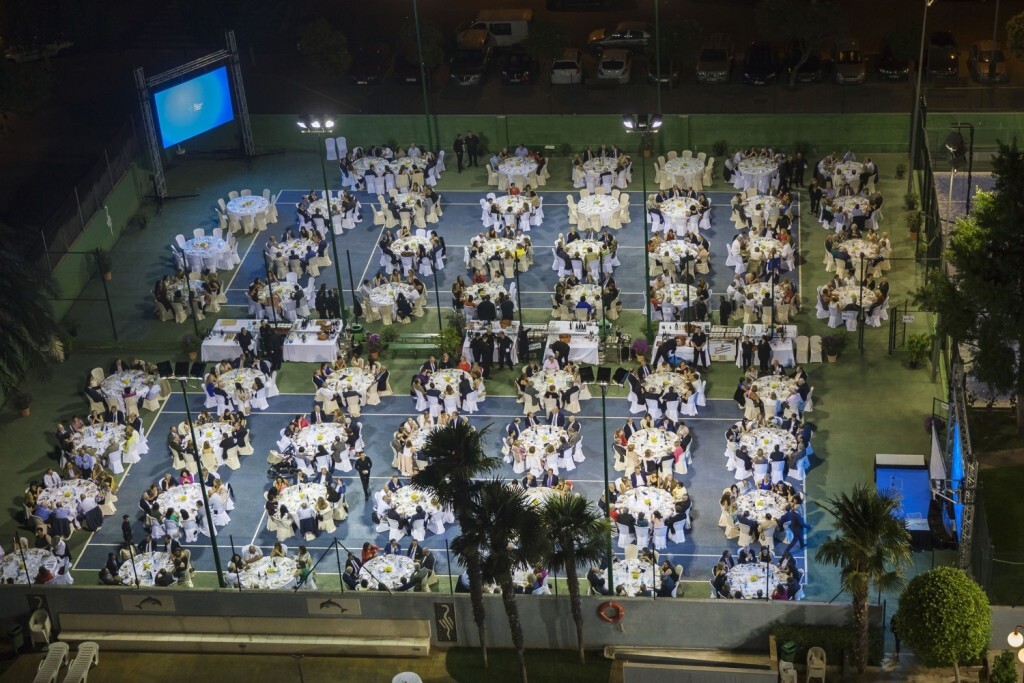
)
(193, 107)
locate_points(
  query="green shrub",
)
(910, 201)
(1004, 669)
(833, 639)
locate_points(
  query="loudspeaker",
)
(181, 368)
(164, 368)
(620, 376)
(604, 375)
(197, 370)
(587, 374)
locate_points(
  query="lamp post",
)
(958, 156)
(645, 124)
(183, 373)
(318, 127)
(423, 77)
(604, 378)
(917, 98)
(1015, 639)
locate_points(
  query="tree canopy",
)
(1015, 34)
(805, 24)
(678, 41)
(325, 48)
(944, 617)
(978, 298)
(430, 37)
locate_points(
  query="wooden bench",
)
(395, 347)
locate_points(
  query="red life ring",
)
(616, 615)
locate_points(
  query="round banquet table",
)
(678, 295)
(856, 247)
(757, 173)
(499, 245)
(515, 167)
(658, 441)
(114, 385)
(561, 380)
(512, 201)
(850, 293)
(299, 245)
(208, 249)
(449, 377)
(478, 290)
(184, 497)
(294, 496)
(592, 292)
(405, 500)
(766, 438)
(320, 206)
(631, 573)
(249, 205)
(214, 432)
(847, 172)
(68, 493)
(600, 165)
(765, 245)
(538, 495)
(408, 199)
(782, 387)
(542, 436)
(413, 242)
(268, 573)
(282, 290)
(757, 504)
(684, 171)
(674, 211)
(386, 294)
(847, 204)
(146, 567)
(578, 248)
(647, 499)
(98, 438)
(182, 286)
(759, 290)
(419, 437)
(349, 379)
(751, 577)
(678, 249)
(768, 203)
(599, 207)
(387, 569)
(243, 376)
(321, 434)
(659, 382)
(13, 565)
(380, 165)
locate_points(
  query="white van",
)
(507, 26)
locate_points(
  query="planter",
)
(192, 355)
(640, 358)
(832, 359)
(25, 412)
(647, 153)
(107, 276)
(374, 355)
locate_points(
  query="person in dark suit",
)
(597, 581)
(428, 560)
(507, 308)
(668, 586)
(472, 148)
(627, 519)
(363, 465)
(764, 353)
(244, 339)
(529, 482)
(116, 415)
(550, 479)
(459, 147)
(485, 310)
(415, 552)
(430, 364)
(318, 416)
(503, 344)
(638, 478)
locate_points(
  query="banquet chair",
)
(492, 177)
(625, 538)
(850, 319)
(232, 195)
(342, 145)
(745, 537)
(199, 232)
(835, 316)
(708, 178)
(394, 532)
(802, 349)
(661, 538)
(816, 663)
(632, 552)
(643, 537)
(246, 192)
(180, 314)
(419, 530)
(777, 469)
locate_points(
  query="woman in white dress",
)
(405, 460)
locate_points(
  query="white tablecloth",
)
(757, 504)
(572, 295)
(514, 202)
(247, 206)
(769, 204)
(244, 376)
(765, 245)
(207, 252)
(674, 211)
(583, 346)
(68, 494)
(600, 165)
(517, 168)
(220, 344)
(659, 382)
(759, 290)
(184, 497)
(782, 387)
(852, 293)
(678, 249)
(450, 377)
(679, 295)
(385, 295)
(559, 379)
(13, 565)
(413, 242)
(302, 345)
(684, 171)
(757, 173)
(848, 204)
(600, 207)
(647, 499)
(146, 567)
(320, 206)
(349, 379)
(578, 248)
(405, 500)
(847, 172)
(212, 432)
(783, 346)
(631, 573)
(856, 247)
(542, 436)
(389, 569)
(322, 434)
(751, 577)
(491, 289)
(294, 496)
(361, 165)
(98, 438)
(114, 385)
(766, 438)
(299, 245)
(658, 441)
(268, 574)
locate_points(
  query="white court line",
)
(490, 415)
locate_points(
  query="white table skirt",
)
(580, 350)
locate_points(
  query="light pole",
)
(423, 77)
(645, 124)
(958, 156)
(1015, 639)
(917, 98)
(319, 127)
(183, 373)
(604, 378)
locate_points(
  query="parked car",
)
(942, 60)
(714, 61)
(518, 67)
(626, 35)
(507, 27)
(986, 62)
(811, 71)
(666, 72)
(472, 55)
(370, 64)
(615, 65)
(759, 64)
(34, 54)
(889, 67)
(408, 70)
(567, 69)
(848, 63)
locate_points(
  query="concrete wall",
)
(1004, 620)
(705, 624)
(73, 271)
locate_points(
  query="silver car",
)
(849, 63)
(614, 65)
(987, 63)
(567, 69)
(714, 61)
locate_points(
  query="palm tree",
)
(579, 535)
(30, 333)
(514, 539)
(456, 456)
(871, 549)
